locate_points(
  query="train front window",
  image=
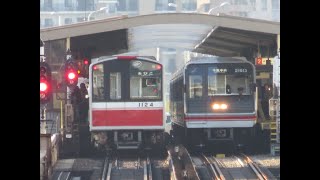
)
(98, 82)
(141, 88)
(228, 81)
(145, 80)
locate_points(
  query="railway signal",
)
(71, 73)
(45, 83)
(83, 67)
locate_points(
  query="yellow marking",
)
(220, 156)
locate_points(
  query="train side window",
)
(115, 85)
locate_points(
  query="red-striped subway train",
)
(212, 100)
(126, 109)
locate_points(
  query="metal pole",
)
(61, 116)
(43, 129)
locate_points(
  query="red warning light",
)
(86, 61)
(43, 86)
(71, 75)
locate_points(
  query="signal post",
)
(70, 133)
(45, 97)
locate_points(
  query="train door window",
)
(216, 80)
(98, 83)
(115, 85)
(195, 86)
(221, 84)
(135, 87)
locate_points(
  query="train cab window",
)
(237, 82)
(115, 85)
(98, 83)
(224, 82)
(195, 86)
(145, 87)
(145, 80)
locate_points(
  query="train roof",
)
(150, 58)
(107, 58)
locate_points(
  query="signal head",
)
(45, 81)
(71, 75)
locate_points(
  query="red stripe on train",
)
(225, 118)
(127, 118)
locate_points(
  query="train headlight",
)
(216, 106)
(219, 106)
(224, 106)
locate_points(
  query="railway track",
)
(139, 168)
(181, 164)
(64, 175)
(255, 168)
(178, 165)
(214, 168)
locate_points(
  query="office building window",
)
(68, 3)
(67, 20)
(189, 5)
(264, 5)
(240, 2)
(85, 5)
(275, 4)
(47, 5)
(127, 5)
(80, 19)
(48, 22)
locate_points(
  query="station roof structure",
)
(220, 35)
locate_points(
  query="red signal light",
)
(71, 75)
(86, 61)
(43, 86)
(45, 83)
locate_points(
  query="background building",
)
(61, 12)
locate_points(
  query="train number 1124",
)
(145, 104)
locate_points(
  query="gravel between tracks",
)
(230, 162)
(161, 163)
(267, 160)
